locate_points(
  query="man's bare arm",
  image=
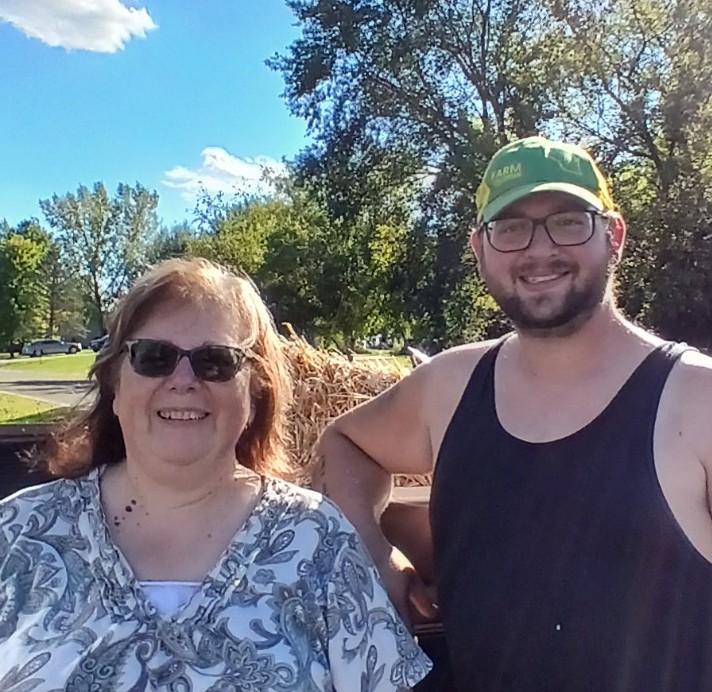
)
(361, 450)
(358, 485)
(358, 455)
(695, 400)
(398, 432)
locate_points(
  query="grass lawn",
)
(385, 356)
(23, 410)
(70, 367)
(404, 362)
(76, 366)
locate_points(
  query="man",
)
(570, 506)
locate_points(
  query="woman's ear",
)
(113, 398)
(254, 389)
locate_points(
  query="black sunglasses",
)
(153, 358)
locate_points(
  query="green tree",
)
(430, 88)
(104, 240)
(326, 274)
(65, 301)
(22, 300)
(170, 242)
(437, 80)
(239, 238)
(415, 96)
(271, 241)
(637, 78)
(61, 303)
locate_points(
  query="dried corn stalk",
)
(327, 384)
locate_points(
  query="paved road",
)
(58, 392)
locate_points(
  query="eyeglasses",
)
(566, 228)
(153, 358)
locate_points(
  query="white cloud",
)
(220, 171)
(100, 26)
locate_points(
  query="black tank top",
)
(560, 565)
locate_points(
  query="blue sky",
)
(173, 94)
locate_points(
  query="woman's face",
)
(180, 419)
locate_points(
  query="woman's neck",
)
(169, 488)
(175, 526)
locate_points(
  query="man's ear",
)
(476, 243)
(617, 233)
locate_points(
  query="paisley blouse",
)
(294, 604)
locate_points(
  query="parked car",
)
(98, 343)
(45, 347)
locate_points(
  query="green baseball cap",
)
(537, 164)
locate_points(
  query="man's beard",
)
(576, 307)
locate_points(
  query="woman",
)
(168, 556)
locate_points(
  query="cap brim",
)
(501, 203)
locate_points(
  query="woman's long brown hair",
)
(94, 438)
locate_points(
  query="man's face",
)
(548, 289)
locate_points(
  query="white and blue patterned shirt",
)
(294, 604)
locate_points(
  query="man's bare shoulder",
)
(690, 392)
(695, 371)
(444, 381)
(453, 364)
(467, 355)
(447, 373)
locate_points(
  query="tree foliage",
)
(427, 90)
(641, 94)
(22, 252)
(170, 242)
(332, 277)
(65, 312)
(406, 101)
(39, 296)
(105, 240)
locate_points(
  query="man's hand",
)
(406, 589)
